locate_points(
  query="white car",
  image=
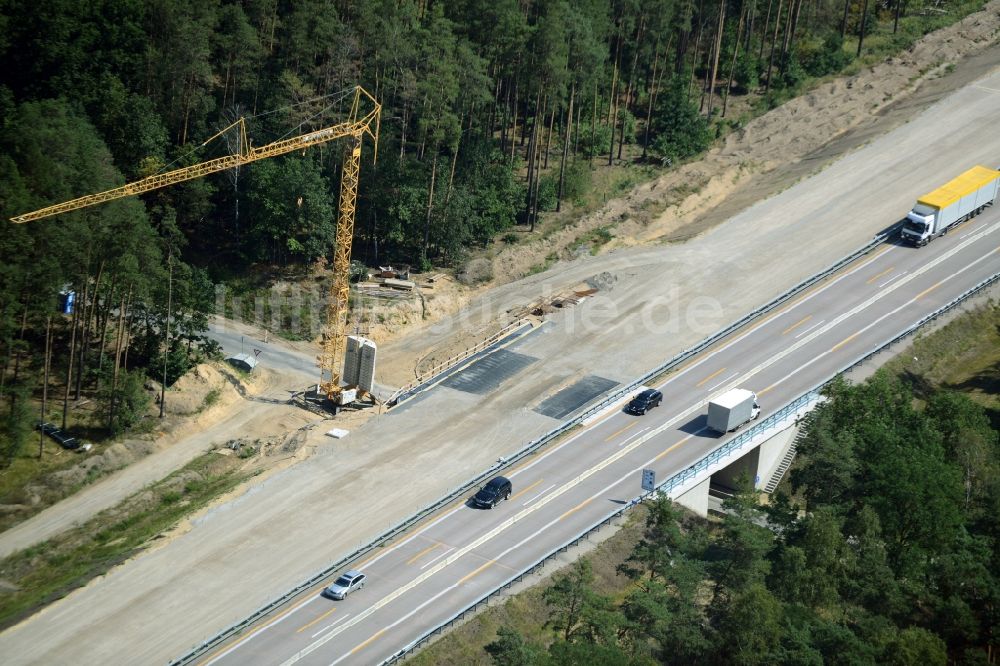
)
(347, 583)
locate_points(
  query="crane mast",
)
(358, 124)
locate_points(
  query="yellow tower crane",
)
(359, 122)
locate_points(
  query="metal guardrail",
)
(804, 401)
(415, 386)
(213, 642)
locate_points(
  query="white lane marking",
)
(414, 536)
(723, 382)
(540, 458)
(392, 596)
(624, 451)
(332, 624)
(914, 299)
(894, 277)
(539, 495)
(971, 231)
(634, 435)
(256, 633)
(776, 317)
(548, 453)
(798, 369)
(437, 557)
(519, 544)
(819, 323)
(863, 306)
(400, 620)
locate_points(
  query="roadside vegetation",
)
(881, 547)
(495, 114)
(45, 572)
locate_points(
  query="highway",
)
(241, 553)
(462, 553)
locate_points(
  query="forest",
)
(889, 554)
(494, 111)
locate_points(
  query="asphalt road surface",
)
(239, 339)
(241, 554)
(464, 552)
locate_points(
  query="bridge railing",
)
(777, 420)
(532, 446)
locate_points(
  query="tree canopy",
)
(896, 564)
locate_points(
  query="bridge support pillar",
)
(760, 462)
(696, 498)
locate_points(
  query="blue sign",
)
(67, 300)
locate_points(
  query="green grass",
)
(527, 612)
(882, 42)
(550, 259)
(595, 239)
(963, 355)
(50, 570)
(26, 470)
(27, 480)
(211, 398)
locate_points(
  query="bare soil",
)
(669, 207)
(767, 155)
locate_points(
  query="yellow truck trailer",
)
(952, 203)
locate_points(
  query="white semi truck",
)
(953, 202)
(732, 409)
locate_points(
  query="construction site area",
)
(312, 433)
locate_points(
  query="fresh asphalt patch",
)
(571, 398)
(489, 372)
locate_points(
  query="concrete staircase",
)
(786, 461)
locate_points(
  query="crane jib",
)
(355, 127)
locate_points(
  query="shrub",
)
(594, 142)
(829, 58)
(576, 180)
(548, 188)
(680, 130)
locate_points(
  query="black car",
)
(645, 401)
(495, 491)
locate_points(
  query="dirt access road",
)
(653, 302)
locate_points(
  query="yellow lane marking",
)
(321, 617)
(363, 645)
(796, 324)
(822, 284)
(532, 459)
(576, 508)
(528, 460)
(762, 392)
(630, 425)
(714, 374)
(422, 553)
(875, 277)
(516, 495)
(478, 571)
(927, 291)
(672, 447)
(427, 523)
(264, 626)
(844, 342)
